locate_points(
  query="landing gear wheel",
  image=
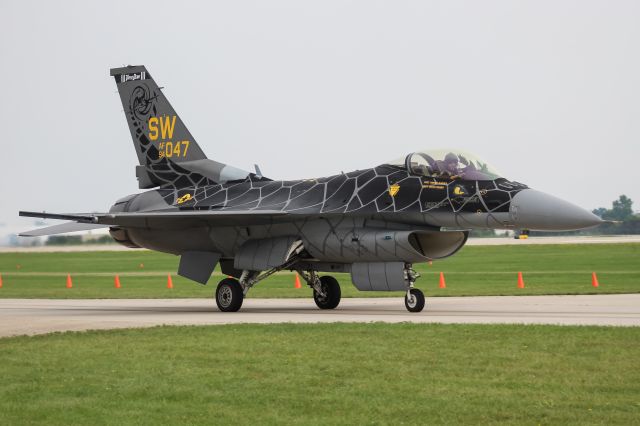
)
(331, 289)
(414, 300)
(229, 295)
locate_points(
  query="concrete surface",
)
(37, 316)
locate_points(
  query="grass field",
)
(324, 374)
(476, 270)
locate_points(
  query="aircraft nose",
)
(531, 209)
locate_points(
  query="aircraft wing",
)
(63, 228)
(157, 219)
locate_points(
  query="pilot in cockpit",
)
(449, 166)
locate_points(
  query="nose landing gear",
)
(414, 298)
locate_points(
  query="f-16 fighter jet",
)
(374, 223)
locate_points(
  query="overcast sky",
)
(546, 91)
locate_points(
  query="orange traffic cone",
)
(169, 281)
(0, 280)
(116, 281)
(594, 280)
(442, 283)
(69, 282)
(520, 280)
(297, 284)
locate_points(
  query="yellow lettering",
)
(153, 128)
(186, 146)
(169, 149)
(166, 126)
(176, 149)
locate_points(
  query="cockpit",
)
(450, 164)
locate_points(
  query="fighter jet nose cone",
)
(531, 209)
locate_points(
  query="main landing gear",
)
(231, 292)
(328, 295)
(229, 295)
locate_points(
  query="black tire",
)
(331, 288)
(229, 295)
(416, 303)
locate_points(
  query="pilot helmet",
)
(451, 158)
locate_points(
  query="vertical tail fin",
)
(167, 152)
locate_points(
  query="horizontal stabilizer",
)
(63, 228)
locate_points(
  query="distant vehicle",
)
(373, 223)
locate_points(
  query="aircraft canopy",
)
(447, 163)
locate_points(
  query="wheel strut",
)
(313, 280)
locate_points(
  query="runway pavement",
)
(38, 316)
